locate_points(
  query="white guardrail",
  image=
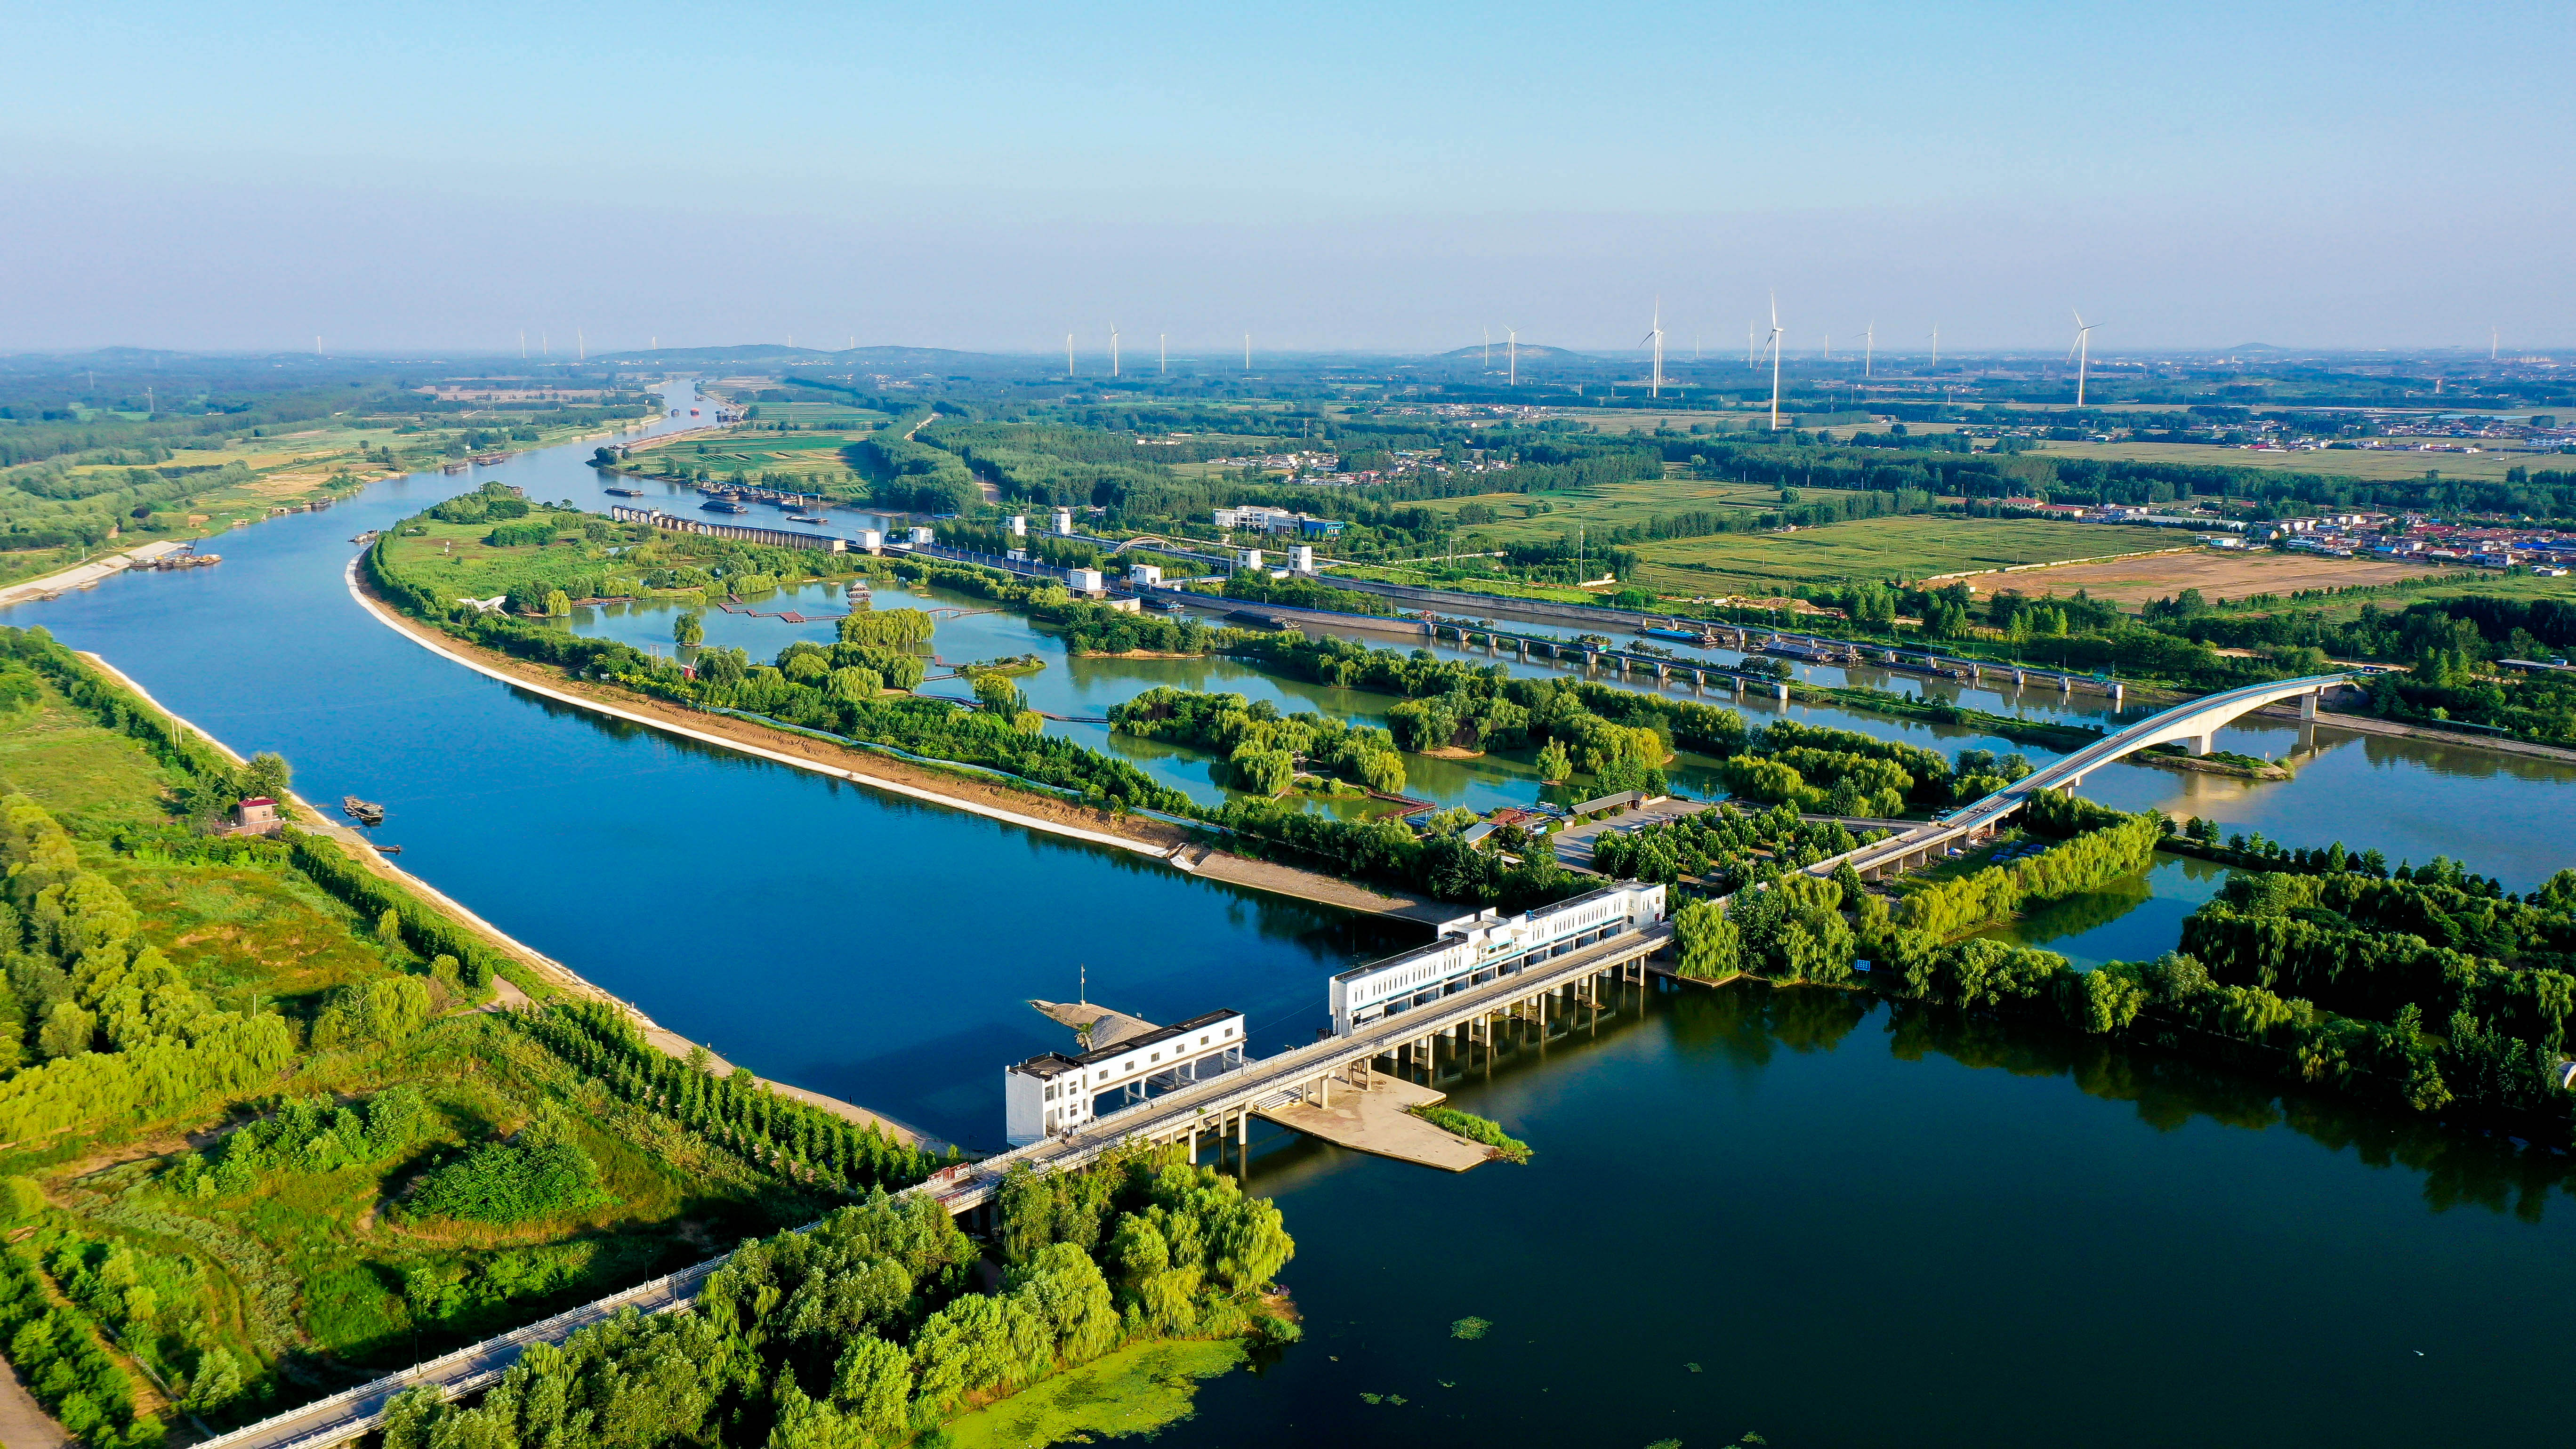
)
(426, 1374)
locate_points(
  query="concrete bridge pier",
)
(2308, 703)
(1663, 673)
(1780, 692)
(1699, 679)
(1525, 651)
(2119, 694)
(1623, 668)
(2065, 684)
(1737, 681)
(1591, 661)
(2195, 745)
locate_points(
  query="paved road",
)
(354, 1412)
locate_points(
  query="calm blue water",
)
(1832, 1223)
(862, 946)
(1865, 1225)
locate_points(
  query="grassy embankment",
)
(225, 1174)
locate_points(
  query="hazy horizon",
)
(2192, 178)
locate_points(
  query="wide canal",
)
(1797, 1214)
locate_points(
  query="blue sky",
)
(1389, 176)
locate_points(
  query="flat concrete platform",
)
(1376, 1121)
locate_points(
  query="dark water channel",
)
(1863, 1225)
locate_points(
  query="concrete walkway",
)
(1376, 1121)
(24, 1424)
(1574, 842)
(81, 576)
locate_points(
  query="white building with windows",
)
(1474, 950)
(1052, 1094)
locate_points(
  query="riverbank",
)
(958, 791)
(83, 575)
(550, 972)
(2363, 724)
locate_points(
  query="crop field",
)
(814, 455)
(1612, 506)
(1643, 420)
(2221, 575)
(824, 414)
(2369, 464)
(2217, 573)
(1910, 547)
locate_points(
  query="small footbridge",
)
(2193, 724)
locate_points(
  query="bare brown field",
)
(2217, 574)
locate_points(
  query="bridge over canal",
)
(2194, 724)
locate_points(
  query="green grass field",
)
(828, 414)
(2370, 465)
(1612, 506)
(1910, 547)
(316, 1268)
(814, 458)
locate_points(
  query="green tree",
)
(1554, 763)
(1712, 947)
(998, 695)
(689, 628)
(266, 774)
(67, 1032)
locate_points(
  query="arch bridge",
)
(2195, 724)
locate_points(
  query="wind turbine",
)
(1936, 344)
(1750, 352)
(2082, 351)
(1775, 362)
(1869, 348)
(1488, 364)
(1163, 353)
(2494, 337)
(1655, 335)
(1113, 349)
(1512, 355)
(1247, 352)
(1068, 354)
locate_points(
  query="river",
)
(1859, 1223)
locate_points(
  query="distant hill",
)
(882, 359)
(1529, 350)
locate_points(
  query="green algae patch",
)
(1133, 1391)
